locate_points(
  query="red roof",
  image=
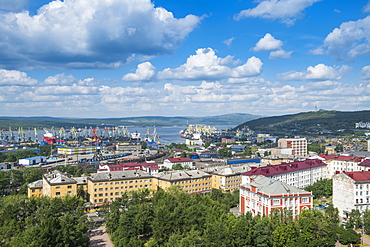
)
(359, 176)
(272, 170)
(365, 163)
(178, 160)
(341, 157)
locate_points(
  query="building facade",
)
(342, 163)
(261, 195)
(182, 161)
(190, 181)
(299, 174)
(105, 187)
(228, 178)
(57, 184)
(351, 190)
(298, 145)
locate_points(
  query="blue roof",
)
(36, 157)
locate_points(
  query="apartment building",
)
(227, 178)
(34, 188)
(351, 191)
(261, 195)
(297, 145)
(191, 181)
(57, 184)
(106, 186)
(343, 163)
(298, 173)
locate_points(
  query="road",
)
(99, 237)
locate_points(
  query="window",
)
(69, 192)
(69, 187)
(305, 200)
(57, 193)
(276, 202)
(58, 187)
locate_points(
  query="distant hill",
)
(309, 123)
(48, 122)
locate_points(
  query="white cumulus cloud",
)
(318, 72)
(90, 34)
(367, 7)
(205, 64)
(287, 11)
(349, 41)
(144, 72)
(15, 77)
(280, 54)
(268, 43)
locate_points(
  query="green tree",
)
(321, 188)
(224, 153)
(348, 236)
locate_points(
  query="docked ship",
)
(199, 133)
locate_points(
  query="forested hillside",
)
(48, 122)
(309, 123)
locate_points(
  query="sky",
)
(132, 58)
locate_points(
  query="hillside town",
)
(267, 173)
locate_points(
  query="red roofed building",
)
(343, 163)
(298, 173)
(261, 195)
(182, 161)
(351, 191)
(151, 167)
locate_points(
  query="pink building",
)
(261, 195)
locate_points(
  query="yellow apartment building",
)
(191, 181)
(105, 187)
(56, 184)
(34, 188)
(228, 178)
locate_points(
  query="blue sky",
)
(123, 58)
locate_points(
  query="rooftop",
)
(177, 160)
(182, 175)
(272, 170)
(119, 175)
(35, 185)
(360, 176)
(274, 187)
(341, 157)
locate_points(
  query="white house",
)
(32, 161)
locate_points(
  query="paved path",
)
(99, 237)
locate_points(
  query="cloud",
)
(367, 7)
(365, 73)
(228, 41)
(255, 95)
(205, 65)
(13, 5)
(268, 43)
(14, 77)
(349, 41)
(287, 11)
(90, 34)
(144, 72)
(318, 72)
(280, 54)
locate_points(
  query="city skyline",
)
(130, 58)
